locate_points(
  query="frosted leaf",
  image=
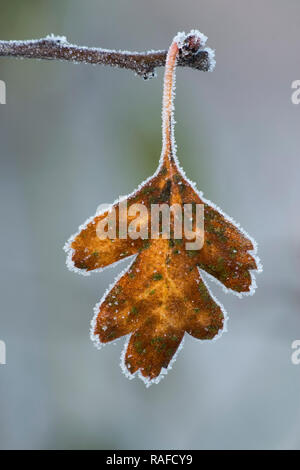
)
(162, 295)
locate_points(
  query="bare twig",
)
(142, 63)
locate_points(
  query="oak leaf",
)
(162, 295)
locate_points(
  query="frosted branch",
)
(142, 63)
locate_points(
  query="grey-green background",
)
(74, 136)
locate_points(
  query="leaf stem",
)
(182, 46)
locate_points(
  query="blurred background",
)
(74, 136)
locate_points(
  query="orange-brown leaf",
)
(162, 295)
